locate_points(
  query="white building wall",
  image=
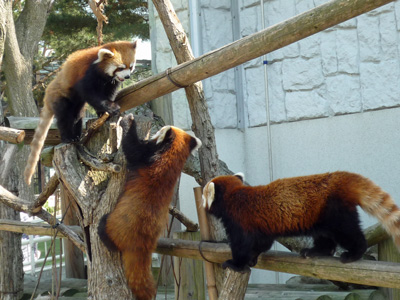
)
(334, 97)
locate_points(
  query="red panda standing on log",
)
(142, 209)
(88, 76)
(323, 206)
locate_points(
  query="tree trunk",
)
(74, 264)
(95, 194)
(11, 272)
(2, 29)
(235, 285)
(21, 39)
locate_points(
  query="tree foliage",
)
(72, 25)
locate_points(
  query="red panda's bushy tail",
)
(381, 205)
(137, 265)
(46, 118)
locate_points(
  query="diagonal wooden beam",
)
(245, 49)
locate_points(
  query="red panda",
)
(322, 206)
(141, 212)
(90, 75)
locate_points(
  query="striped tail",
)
(137, 265)
(46, 118)
(381, 205)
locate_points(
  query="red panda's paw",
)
(253, 261)
(314, 252)
(72, 140)
(113, 109)
(347, 257)
(231, 265)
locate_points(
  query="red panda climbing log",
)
(141, 212)
(91, 75)
(322, 206)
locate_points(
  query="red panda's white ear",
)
(240, 175)
(208, 195)
(102, 54)
(134, 44)
(160, 135)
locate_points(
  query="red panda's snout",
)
(122, 72)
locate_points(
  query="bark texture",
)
(20, 44)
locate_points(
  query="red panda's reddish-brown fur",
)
(323, 206)
(90, 75)
(141, 212)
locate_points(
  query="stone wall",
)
(339, 81)
(350, 68)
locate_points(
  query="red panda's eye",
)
(119, 69)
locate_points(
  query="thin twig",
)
(48, 190)
(190, 225)
(93, 127)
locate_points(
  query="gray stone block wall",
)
(350, 68)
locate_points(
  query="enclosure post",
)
(205, 235)
(235, 285)
(387, 251)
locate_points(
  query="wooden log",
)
(12, 135)
(272, 38)
(190, 225)
(375, 234)
(387, 251)
(31, 228)
(29, 124)
(72, 236)
(205, 235)
(48, 190)
(46, 157)
(25, 122)
(13, 201)
(235, 285)
(365, 272)
(19, 204)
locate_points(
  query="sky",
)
(143, 50)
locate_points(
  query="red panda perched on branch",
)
(142, 209)
(323, 206)
(88, 76)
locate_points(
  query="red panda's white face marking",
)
(159, 137)
(118, 62)
(208, 195)
(122, 72)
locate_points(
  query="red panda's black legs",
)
(353, 240)
(102, 106)
(246, 247)
(242, 251)
(245, 254)
(323, 246)
(69, 119)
